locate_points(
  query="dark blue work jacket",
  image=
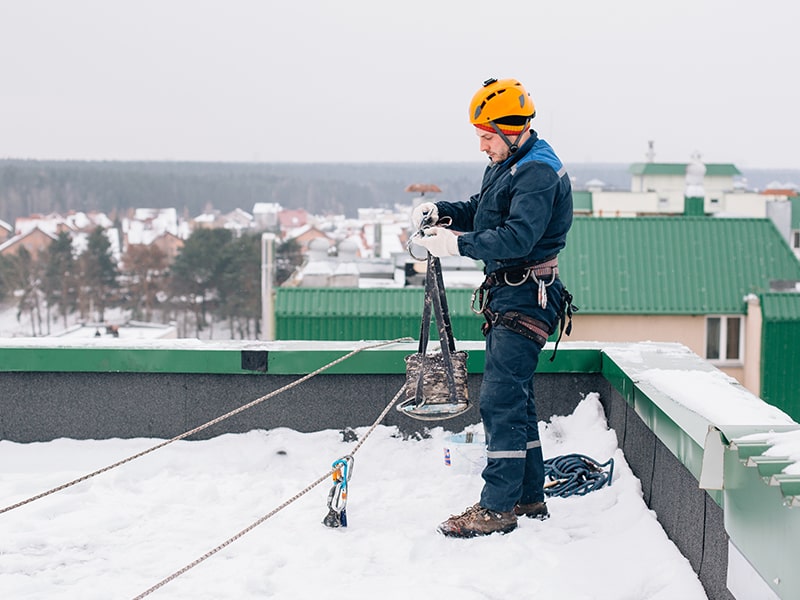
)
(522, 213)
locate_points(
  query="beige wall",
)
(743, 204)
(687, 330)
(627, 204)
(677, 183)
(633, 204)
(752, 345)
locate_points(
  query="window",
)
(724, 339)
(796, 238)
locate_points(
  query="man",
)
(516, 225)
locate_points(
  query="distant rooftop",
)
(712, 170)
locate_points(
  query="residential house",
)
(238, 221)
(305, 235)
(34, 241)
(170, 244)
(209, 219)
(290, 219)
(660, 189)
(52, 224)
(265, 216)
(682, 279)
(159, 226)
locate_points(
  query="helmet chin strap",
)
(512, 146)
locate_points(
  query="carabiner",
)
(543, 285)
(483, 300)
(518, 283)
(410, 243)
(337, 497)
(425, 224)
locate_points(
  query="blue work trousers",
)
(514, 472)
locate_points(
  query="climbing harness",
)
(575, 474)
(436, 383)
(543, 274)
(531, 328)
(337, 497)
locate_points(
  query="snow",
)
(783, 444)
(716, 396)
(127, 530)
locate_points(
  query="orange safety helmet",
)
(499, 99)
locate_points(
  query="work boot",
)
(534, 510)
(476, 521)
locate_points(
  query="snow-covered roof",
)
(266, 208)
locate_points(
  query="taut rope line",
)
(201, 427)
(255, 524)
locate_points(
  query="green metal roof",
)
(712, 170)
(780, 306)
(795, 212)
(366, 313)
(642, 265)
(672, 265)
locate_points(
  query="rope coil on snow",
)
(575, 475)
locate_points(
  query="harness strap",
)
(531, 328)
(546, 269)
(565, 314)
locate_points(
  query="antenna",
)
(651, 153)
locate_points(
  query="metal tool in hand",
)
(423, 225)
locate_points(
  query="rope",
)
(201, 427)
(575, 474)
(255, 524)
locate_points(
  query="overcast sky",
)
(368, 80)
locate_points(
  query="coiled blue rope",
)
(575, 474)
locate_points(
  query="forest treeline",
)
(114, 187)
(30, 187)
(216, 277)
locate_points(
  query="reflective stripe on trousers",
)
(514, 453)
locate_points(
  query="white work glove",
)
(439, 241)
(426, 209)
